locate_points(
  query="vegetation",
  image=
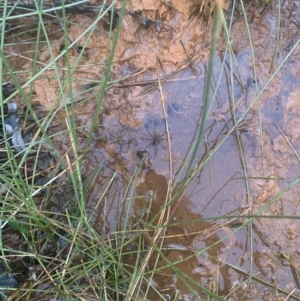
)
(53, 245)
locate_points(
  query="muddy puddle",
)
(210, 241)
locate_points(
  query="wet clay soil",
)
(222, 252)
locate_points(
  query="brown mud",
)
(220, 253)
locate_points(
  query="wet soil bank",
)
(240, 258)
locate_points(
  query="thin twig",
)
(182, 67)
(189, 59)
(288, 142)
(261, 281)
(167, 130)
(155, 85)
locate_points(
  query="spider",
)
(155, 139)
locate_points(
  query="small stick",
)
(155, 85)
(167, 130)
(288, 142)
(189, 59)
(294, 269)
(166, 78)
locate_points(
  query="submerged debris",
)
(11, 130)
(144, 157)
(8, 279)
(12, 127)
(7, 89)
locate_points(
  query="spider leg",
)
(148, 145)
(162, 145)
(152, 136)
(158, 139)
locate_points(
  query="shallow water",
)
(222, 251)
